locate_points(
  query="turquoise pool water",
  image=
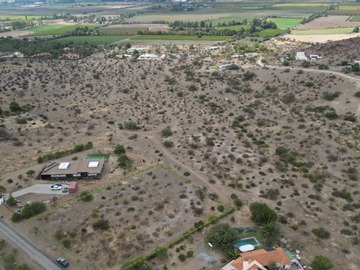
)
(247, 241)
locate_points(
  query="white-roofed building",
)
(77, 169)
(301, 56)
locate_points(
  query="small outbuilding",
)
(301, 56)
(73, 187)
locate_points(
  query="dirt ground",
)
(319, 38)
(328, 22)
(226, 127)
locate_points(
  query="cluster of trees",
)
(28, 211)
(124, 161)
(77, 148)
(30, 48)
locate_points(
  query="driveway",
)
(39, 189)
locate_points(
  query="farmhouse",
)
(78, 169)
(263, 257)
(148, 56)
(301, 56)
(71, 56)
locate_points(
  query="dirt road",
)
(26, 247)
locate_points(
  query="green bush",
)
(86, 196)
(321, 233)
(101, 224)
(166, 132)
(33, 209)
(321, 263)
(168, 144)
(262, 214)
(222, 236)
(182, 257)
(120, 149)
(11, 201)
(124, 162)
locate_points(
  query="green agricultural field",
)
(57, 29)
(175, 37)
(355, 18)
(147, 18)
(19, 17)
(121, 30)
(323, 31)
(233, 27)
(283, 23)
(349, 7)
(270, 32)
(93, 40)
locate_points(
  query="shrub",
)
(321, 263)
(124, 162)
(321, 233)
(182, 257)
(166, 132)
(262, 214)
(86, 196)
(101, 224)
(222, 236)
(131, 125)
(11, 201)
(190, 253)
(33, 209)
(168, 144)
(119, 149)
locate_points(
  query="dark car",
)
(65, 190)
(62, 261)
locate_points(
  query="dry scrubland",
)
(226, 129)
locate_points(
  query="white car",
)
(56, 187)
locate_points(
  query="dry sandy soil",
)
(226, 128)
(319, 38)
(328, 22)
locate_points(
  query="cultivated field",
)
(329, 22)
(284, 23)
(94, 40)
(57, 29)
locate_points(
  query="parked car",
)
(56, 187)
(65, 190)
(62, 261)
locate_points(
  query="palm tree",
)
(270, 232)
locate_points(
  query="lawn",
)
(98, 155)
(270, 32)
(355, 18)
(175, 37)
(56, 29)
(329, 31)
(121, 30)
(283, 23)
(233, 27)
(93, 40)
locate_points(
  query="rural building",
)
(18, 54)
(140, 50)
(148, 56)
(315, 57)
(45, 54)
(2, 199)
(71, 56)
(254, 260)
(357, 62)
(73, 187)
(225, 67)
(77, 169)
(301, 56)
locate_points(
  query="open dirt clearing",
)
(328, 22)
(320, 38)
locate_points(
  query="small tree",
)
(321, 263)
(270, 233)
(262, 214)
(124, 162)
(30, 173)
(222, 236)
(166, 132)
(119, 149)
(101, 224)
(86, 196)
(11, 201)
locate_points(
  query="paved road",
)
(26, 247)
(39, 189)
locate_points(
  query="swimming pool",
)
(247, 241)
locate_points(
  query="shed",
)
(73, 187)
